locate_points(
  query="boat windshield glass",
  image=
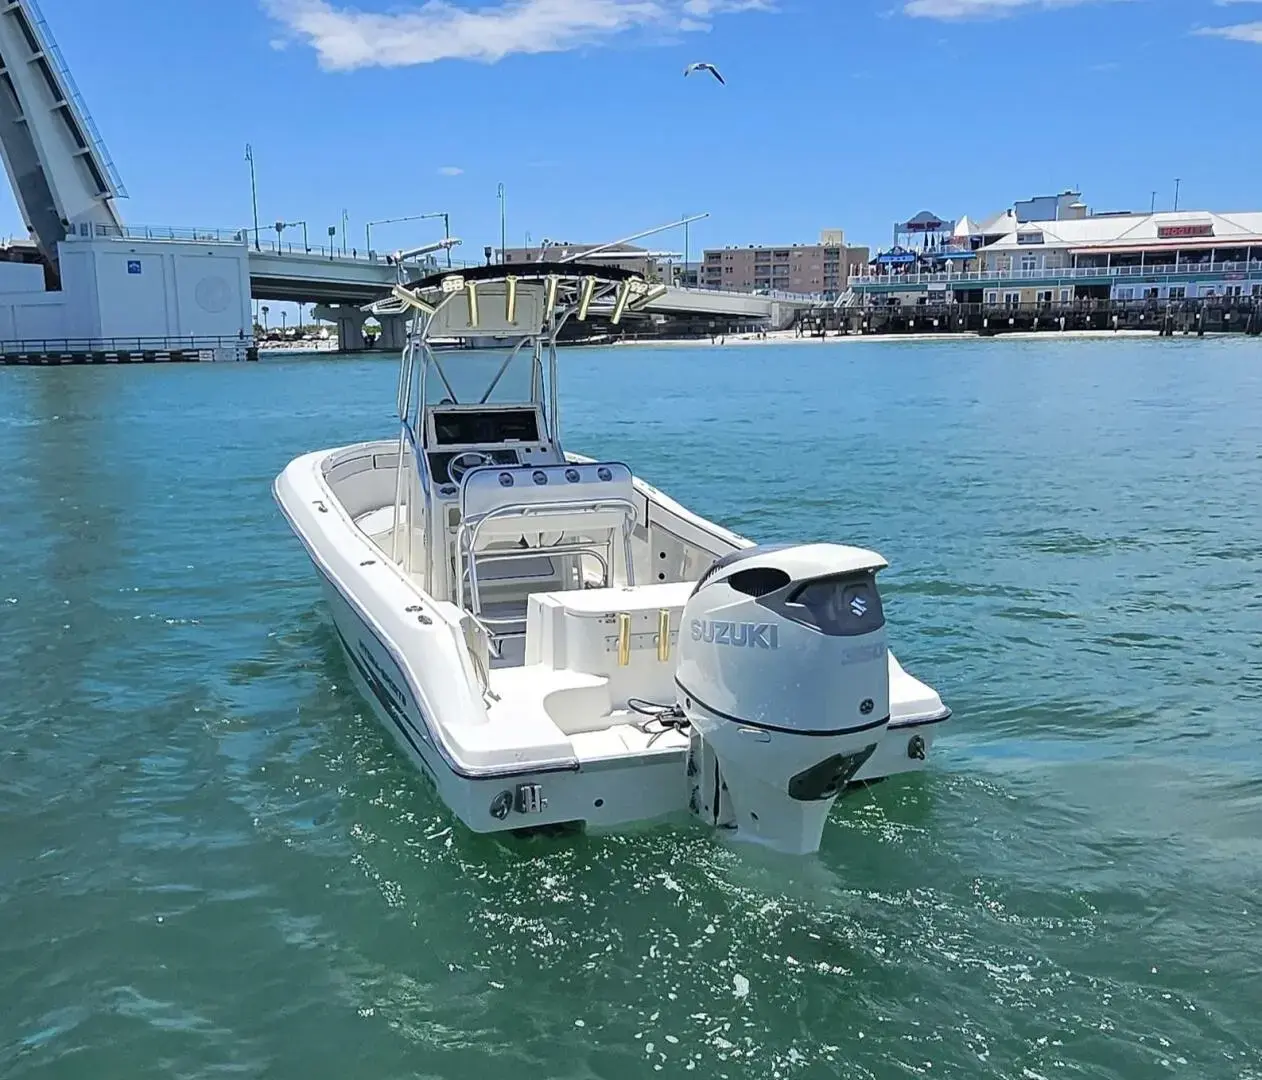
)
(475, 376)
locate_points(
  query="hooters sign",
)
(1181, 232)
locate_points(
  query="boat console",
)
(464, 437)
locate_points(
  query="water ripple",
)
(214, 862)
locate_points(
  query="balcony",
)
(1064, 274)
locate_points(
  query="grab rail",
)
(467, 538)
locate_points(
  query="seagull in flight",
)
(705, 67)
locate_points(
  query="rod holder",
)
(585, 299)
(624, 639)
(471, 289)
(663, 635)
(510, 301)
(624, 294)
(410, 298)
(651, 293)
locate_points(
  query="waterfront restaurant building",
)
(1170, 255)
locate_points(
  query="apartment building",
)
(800, 268)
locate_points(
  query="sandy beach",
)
(326, 345)
(788, 337)
(772, 337)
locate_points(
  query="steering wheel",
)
(462, 463)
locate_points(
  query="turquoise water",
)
(213, 862)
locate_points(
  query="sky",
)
(847, 114)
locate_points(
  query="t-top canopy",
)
(527, 299)
(527, 270)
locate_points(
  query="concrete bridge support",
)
(394, 332)
(350, 324)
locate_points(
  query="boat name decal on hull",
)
(398, 715)
(397, 695)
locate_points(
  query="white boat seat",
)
(578, 632)
(574, 701)
(569, 509)
(379, 525)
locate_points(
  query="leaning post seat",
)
(590, 507)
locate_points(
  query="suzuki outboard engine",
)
(784, 677)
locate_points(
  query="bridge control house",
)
(1075, 257)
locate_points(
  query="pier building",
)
(1016, 260)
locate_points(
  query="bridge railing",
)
(334, 254)
(120, 344)
(53, 50)
(759, 293)
(90, 230)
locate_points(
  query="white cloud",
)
(1250, 32)
(703, 9)
(976, 9)
(345, 38)
(450, 170)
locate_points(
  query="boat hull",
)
(409, 661)
(615, 796)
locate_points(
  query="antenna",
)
(635, 236)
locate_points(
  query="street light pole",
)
(282, 225)
(345, 218)
(254, 193)
(685, 217)
(503, 228)
(412, 217)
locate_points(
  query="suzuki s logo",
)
(744, 635)
(859, 606)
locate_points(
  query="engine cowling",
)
(783, 673)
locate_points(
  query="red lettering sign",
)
(1174, 232)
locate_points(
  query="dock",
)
(56, 351)
(1220, 315)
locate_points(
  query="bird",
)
(705, 67)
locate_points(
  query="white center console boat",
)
(553, 641)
